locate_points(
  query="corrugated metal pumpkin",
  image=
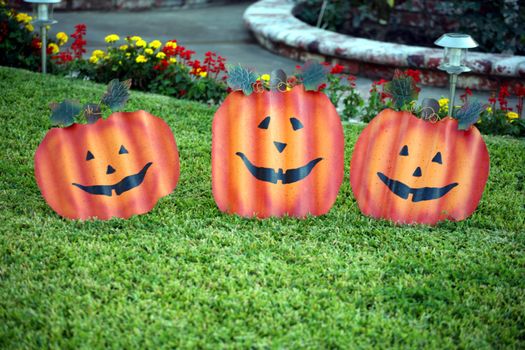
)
(118, 167)
(277, 153)
(410, 170)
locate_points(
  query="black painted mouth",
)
(270, 175)
(126, 184)
(418, 194)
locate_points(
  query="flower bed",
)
(171, 69)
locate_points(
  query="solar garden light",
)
(454, 58)
(43, 12)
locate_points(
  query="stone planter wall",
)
(275, 27)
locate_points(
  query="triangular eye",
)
(296, 124)
(437, 158)
(404, 151)
(122, 150)
(89, 155)
(265, 123)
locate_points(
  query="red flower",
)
(63, 57)
(464, 97)
(321, 87)
(379, 82)
(182, 92)
(337, 69)
(415, 74)
(162, 65)
(36, 43)
(78, 45)
(502, 97)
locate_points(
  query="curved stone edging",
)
(277, 29)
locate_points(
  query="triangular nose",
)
(417, 172)
(110, 170)
(280, 146)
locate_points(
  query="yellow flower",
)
(489, 109)
(23, 17)
(171, 44)
(173, 60)
(265, 77)
(155, 44)
(140, 43)
(53, 47)
(93, 59)
(443, 102)
(135, 38)
(141, 59)
(30, 27)
(128, 54)
(443, 105)
(203, 74)
(123, 47)
(161, 55)
(98, 54)
(148, 51)
(512, 115)
(288, 88)
(111, 38)
(62, 38)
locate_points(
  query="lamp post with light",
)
(454, 59)
(43, 12)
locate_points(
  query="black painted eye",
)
(296, 124)
(404, 151)
(265, 123)
(89, 155)
(122, 150)
(437, 158)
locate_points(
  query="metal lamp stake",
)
(42, 10)
(454, 59)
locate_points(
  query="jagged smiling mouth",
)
(270, 175)
(126, 184)
(418, 194)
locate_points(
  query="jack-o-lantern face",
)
(277, 153)
(409, 170)
(116, 167)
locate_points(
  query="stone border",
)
(277, 29)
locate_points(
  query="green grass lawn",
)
(186, 275)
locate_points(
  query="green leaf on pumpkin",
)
(402, 88)
(469, 114)
(240, 78)
(117, 94)
(314, 75)
(278, 80)
(64, 113)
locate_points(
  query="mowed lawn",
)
(185, 275)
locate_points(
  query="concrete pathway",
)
(216, 28)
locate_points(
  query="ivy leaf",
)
(469, 114)
(314, 74)
(240, 78)
(117, 94)
(64, 113)
(429, 108)
(402, 88)
(278, 80)
(92, 112)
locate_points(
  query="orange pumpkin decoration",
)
(119, 167)
(277, 153)
(409, 170)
